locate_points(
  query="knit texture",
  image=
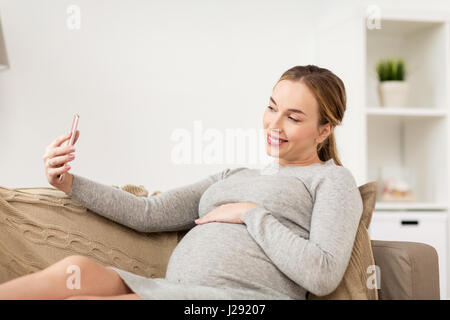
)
(39, 226)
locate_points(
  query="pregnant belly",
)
(221, 254)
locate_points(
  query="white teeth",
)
(275, 141)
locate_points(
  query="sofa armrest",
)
(408, 270)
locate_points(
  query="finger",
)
(202, 221)
(58, 141)
(54, 172)
(60, 160)
(58, 151)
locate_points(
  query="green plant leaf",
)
(391, 69)
(400, 70)
(382, 71)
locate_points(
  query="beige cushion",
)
(353, 284)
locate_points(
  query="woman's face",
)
(293, 115)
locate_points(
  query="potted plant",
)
(392, 87)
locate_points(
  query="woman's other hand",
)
(229, 212)
(55, 160)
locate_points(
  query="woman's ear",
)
(324, 132)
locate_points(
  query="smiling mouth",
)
(275, 142)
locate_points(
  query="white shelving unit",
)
(417, 136)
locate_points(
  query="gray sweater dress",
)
(298, 239)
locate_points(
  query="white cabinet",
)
(416, 136)
(426, 227)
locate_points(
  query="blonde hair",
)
(329, 91)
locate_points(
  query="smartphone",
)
(76, 117)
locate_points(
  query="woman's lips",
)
(273, 143)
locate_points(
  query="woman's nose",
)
(275, 124)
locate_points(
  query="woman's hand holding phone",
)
(56, 158)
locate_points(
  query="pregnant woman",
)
(254, 234)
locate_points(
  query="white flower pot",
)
(393, 93)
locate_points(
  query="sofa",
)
(39, 226)
(409, 270)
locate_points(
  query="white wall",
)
(135, 71)
(138, 70)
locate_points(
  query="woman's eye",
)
(295, 120)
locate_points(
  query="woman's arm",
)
(171, 210)
(318, 263)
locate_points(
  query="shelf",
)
(404, 28)
(423, 47)
(413, 137)
(406, 112)
(414, 142)
(376, 139)
(423, 206)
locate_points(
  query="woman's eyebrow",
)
(293, 110)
